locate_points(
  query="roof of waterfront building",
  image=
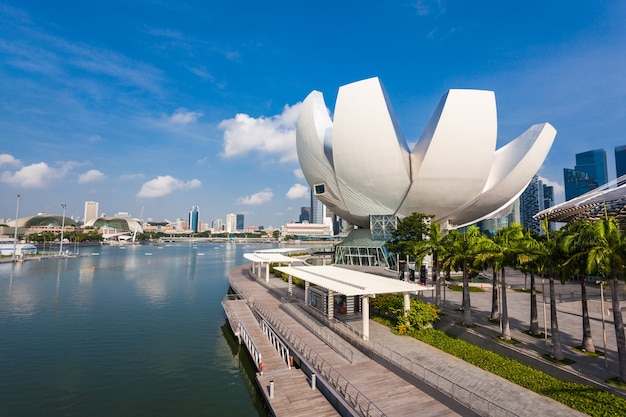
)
(350, 282)
(606, 200)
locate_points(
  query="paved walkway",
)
(517, 400)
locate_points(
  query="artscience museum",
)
(359, 164)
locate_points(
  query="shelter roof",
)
(349, 282)
(590, 206)
(270, 257)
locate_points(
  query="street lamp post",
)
(62, 229)
(17, 214)
(606, 364)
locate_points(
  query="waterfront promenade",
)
(400, 375)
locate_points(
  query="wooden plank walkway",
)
(390, 393)
(293, 395)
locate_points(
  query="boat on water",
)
(8, 245)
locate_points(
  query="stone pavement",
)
(517, 400)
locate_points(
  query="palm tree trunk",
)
(534, 321)
(495, 311)
(437, 279)
(557, 350)
(587, 339)
(506, 330)
(619, 329)
(467, 311)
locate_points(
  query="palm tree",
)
(503, 251)
(462, 256)
(529, 256)
(434, 245)
(579, 238)
(550, 260)
(607, 259)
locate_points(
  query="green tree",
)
(434, 245)
(463, 253)
(579, 238)
(409, 230)
(606, 258)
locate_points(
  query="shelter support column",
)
(366, 317)
(267, 273)
(407, 303)
(331, 304)
(290, 286)
(306, 293)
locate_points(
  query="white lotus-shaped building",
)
(359, 164)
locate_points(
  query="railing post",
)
(272, 389)
(313, 380)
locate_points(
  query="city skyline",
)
(193, 104)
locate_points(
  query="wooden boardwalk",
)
(293, 395)
(363, 381)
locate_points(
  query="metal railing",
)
(278, 344)
(252, 349)
(349, 392)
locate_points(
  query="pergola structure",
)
(352, 284)
(260, 259)
(606, 200)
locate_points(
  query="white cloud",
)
(35, 175)
(90, 176)
(298, 173)
(183, 116)
(6, 159)
(266, 135)
(261, 197)
(297, 191)
(164, 185)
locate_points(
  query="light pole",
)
(17, 215)
(62, 229)
(606, 364)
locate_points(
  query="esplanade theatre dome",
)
(43, 220)
(118, 223)
(359, 164)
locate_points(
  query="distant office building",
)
(193, 219)
(122, 214)
(531, 203)
(620, 162)
(589, 173)
(218, 225)
(318, 210)
(231, 223)
(91, 211)
(548, 196)
(239, 224)
(305, 214)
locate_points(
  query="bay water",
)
(124, 331)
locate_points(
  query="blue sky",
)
(162, 104)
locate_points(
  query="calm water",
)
(136, 331)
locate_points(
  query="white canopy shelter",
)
(351, 283)
(259, 259)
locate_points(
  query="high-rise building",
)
(239, 225)
(531, 203)
(218, 225)
(91, 211)
(193, 219)
(318, 210)
(231, 223)
(305, 214)
(620, 162)
(589, 173)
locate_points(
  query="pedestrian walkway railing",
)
(341, 385)
(476, 403)
(338, 344)
(278, 344)
(254, 351)
(231, 316)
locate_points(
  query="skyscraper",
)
(239, 224)
(589, 173)
(231, 223)
(91, 211)
(193, 219)
(218, 225)
(318, 210)
(531, 203)
(620, 162)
